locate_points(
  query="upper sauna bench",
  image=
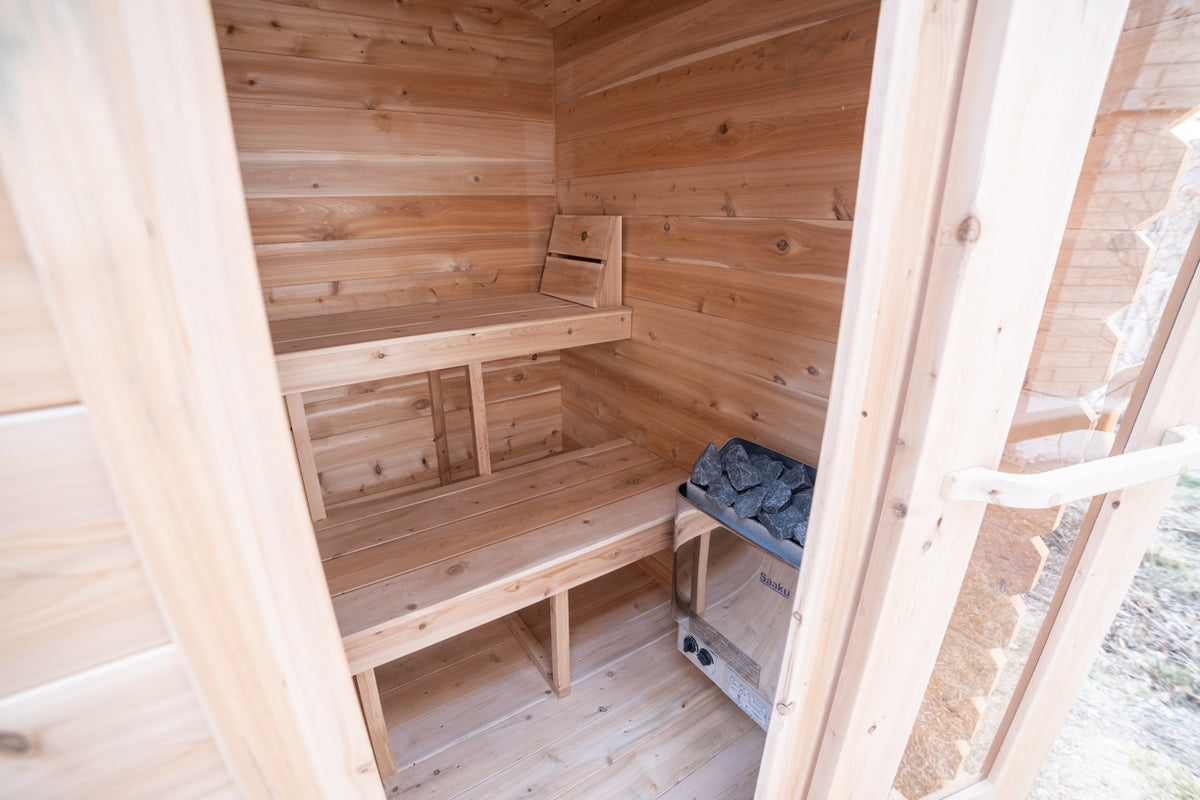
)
(579, 304)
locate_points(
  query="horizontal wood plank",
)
(783, 128)
(289, 80)
(369, 294)
(504, 20)
(288, 175)
(808, 307)
(786, 247)
(290, 335)
(809, 189)
(76, 595)
(315, 219)
(645, 46)
(823, 67)
(452, 598)
(798, 363)
(266, 128)
(399, 553)
(266, 27)
(131, 729)
(674, 405)
(295, 263)
(333, 366)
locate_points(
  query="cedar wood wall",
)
(396, 154)
(406, 153)
(728, 133)
(86, 659)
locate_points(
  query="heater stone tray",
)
(748, 529)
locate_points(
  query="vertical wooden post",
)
(136, 225)
(920, 52)
(294, 403)
(437, 406)
(560, 644)
(479, 425)
(372, 708)
(1030, 89)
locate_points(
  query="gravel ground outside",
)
(1134, 731)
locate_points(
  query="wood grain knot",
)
(968, 230)
(15, 743)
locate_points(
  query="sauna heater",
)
(734, 584)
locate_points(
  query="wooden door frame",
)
(995, 101)
(117, 149)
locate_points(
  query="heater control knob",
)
(690, 645)
(704, 657)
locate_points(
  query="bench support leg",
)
(440, 443)
(294, 403)
(479, 428)
(368, 697)
(560, 645)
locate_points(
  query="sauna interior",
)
(414, 156)
(520, 262)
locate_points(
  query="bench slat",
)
(402, 328)
(300, 328)
(392, 618)
(353, 363)
(448, 507)
(514, 519)
(371, 505)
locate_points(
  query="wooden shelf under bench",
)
(410, 571)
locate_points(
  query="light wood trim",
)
(298, 420)
(918, 62)
(372, 709)
(479, 425)
(530, 644)
(1009, 187)
(560, 644)
(139, 235)
(1179, 453)
(337, 366)
(437, 406)
(1113, 538)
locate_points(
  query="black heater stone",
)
(798, 477)
(778, 495)
(741, 470)
(707, 468)
(749, 502)
(769, 468)
(770, 493)
(721, 492)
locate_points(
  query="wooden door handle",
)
(1178, 453)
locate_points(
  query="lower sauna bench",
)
(453, 606)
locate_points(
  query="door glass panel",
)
(1134, 731)
(1135, 210)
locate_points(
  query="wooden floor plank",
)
(396, 674)
(641, 721)
(731, 775)
(482, 691)
(473, 760)
(675, 750)
(576, 761)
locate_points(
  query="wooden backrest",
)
(583, 261)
